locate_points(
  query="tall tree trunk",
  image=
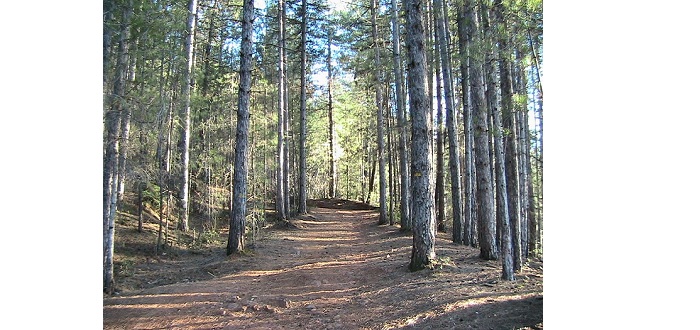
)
(454, 162)
(392, 165)
(110, 159)
(302, 115)
(469, 179)
(486, 214)
(380, 118)
(401, 117)
(236, 241)
(185, 118)
(281, 193)
(502, 212)
(423, 251)
(439, 136)
(510, 143)
(287, 131)
(332, 166)
(524, 153)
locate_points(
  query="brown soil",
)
(336, 270)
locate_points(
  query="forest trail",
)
(338, 270)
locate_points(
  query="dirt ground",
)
(337, 270)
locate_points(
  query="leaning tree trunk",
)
(485, 196)
(380, 119)
(401, 113)
(423, 251)
(302, 115)
(236, 242)
(185, 118)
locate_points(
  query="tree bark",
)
(485, 196)
(454, 161)
(510, 143)
(332, 166)
(380, 118)
(439, 136)
(110, 159)
(469, 177)
(423, 251)
(302, 114)
(281, 193)
(236, 241)
(401, 117)
(185, 114)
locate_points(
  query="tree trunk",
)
(125, 126)
(401, 117)
(287, 131)
(185, 119)
(454, 162)
(469, 181)
(302, 115)
(372, 173)
(139, 213)
(392, 165)
(281, 193)
(236, 241)
(439, 145)
(510, 144)
(332, 166)
(110, 159)
(423, 251)
(486, 214)
(380, 118)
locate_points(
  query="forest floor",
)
(336, 270)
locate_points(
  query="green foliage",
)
(151, 196)
(205, 238)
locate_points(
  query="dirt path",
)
(339, 270)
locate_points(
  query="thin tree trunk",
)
(185, 118)
(524, 155)
(510, 143)
(391, 164)
(110, 160)
(423, 251)
(236, 241)
(502, 207)
(469, 181)
(302, 115)
(401, 114)
(125, 126)
(281, 193)
(380, 118)
(139, 213)
(373, 171)
(485, 196)
(440, 152)
(454, 162)
(287, 131)
(332, 166)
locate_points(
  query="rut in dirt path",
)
(339, 270)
